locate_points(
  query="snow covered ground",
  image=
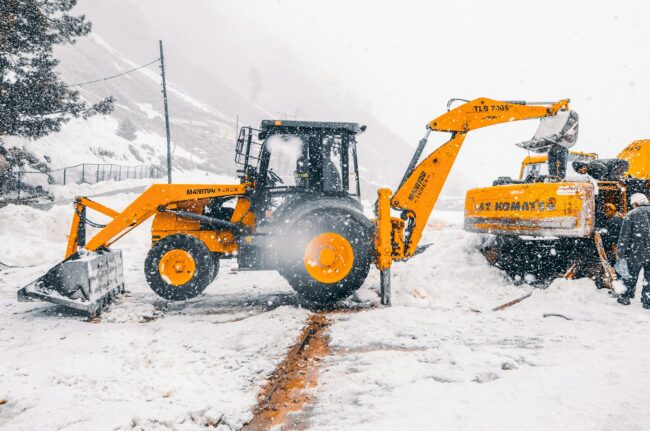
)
(439, 358)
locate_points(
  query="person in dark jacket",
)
(558, 156)
(634, 250)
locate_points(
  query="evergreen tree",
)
(126, 129)
(34, 101)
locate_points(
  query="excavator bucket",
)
(85, 282)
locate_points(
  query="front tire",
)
(179, 267)
(330, 257)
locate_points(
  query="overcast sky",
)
(404, 60)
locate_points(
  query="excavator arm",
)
(420, 187)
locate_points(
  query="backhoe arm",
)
(421, 185)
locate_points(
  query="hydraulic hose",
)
(210, 221)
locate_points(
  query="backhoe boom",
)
(421, 185)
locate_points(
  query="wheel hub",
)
(329, 257)
(177, 267)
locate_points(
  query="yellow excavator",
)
(544, 227)
(296, 210)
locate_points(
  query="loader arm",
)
(143, 207)
(420, 187)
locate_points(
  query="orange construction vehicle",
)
(297, 210)
(544, 227)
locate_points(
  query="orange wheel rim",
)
(329, 257)
(177, 267)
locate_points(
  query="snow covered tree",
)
(34, 101)
(11, 183)
(126, 129)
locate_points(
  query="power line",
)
(114, 76)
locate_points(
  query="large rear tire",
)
(329, 257)
(179, 267)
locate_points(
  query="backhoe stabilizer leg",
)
(384, 284)
(383, 243)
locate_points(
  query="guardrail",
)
(91, 173)
(30, 187)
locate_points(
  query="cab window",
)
(288, 159)
(332, 162)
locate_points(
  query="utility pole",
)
(236, 129)
(164, 90)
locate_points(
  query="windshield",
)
(288, 159)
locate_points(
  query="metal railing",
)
(91, 173)
(30, 187)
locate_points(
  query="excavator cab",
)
(535, 167)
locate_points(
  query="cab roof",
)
(282, 126)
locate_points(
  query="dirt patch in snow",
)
(284, 394)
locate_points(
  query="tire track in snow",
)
(285, 394)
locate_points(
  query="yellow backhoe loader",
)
(545, 227)
(297, 210)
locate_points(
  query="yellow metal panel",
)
(242, 213)
(98, 207)
(72, 238)
(638, 155)
(537, 209)
(484, 112)
(383, 243)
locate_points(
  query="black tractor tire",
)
(293, 267)
(204, 271)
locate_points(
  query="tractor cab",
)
(300, 157)
(306, 184)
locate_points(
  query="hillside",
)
(202, 122)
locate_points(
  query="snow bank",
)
(432, 278)
(440, 358)
(148, 364)
(31, 236)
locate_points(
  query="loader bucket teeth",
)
(85, 283)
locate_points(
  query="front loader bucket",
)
(86, 282)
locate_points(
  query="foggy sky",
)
(403, 60)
